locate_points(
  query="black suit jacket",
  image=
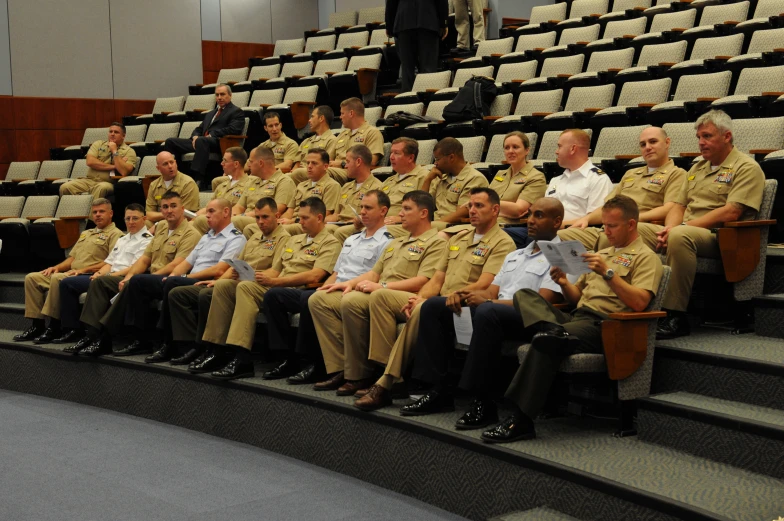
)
(405, 15)
(230, 122)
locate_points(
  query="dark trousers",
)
(178, 146)
(519, 235)
(98, 304)
(70, 289)
(189, 307)
(132, 304)
(418, 49)
(165, 319)
(531, 384)
(493, 324)
(278, 303)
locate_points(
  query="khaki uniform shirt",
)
(739, 179)
(100, 150)
(452, 192)
(182, 184)
(408, 257)
(326, 189)
(231, 193)
(264, 252)
(280, 187)
(299, 256)
(651, 189)
(351, 195)
(636, 264)
(285, 148)
(396, 188)
(466, 259)
(164, 248)
(529, 184)
(365, 135)
(327, 141)
(93, 246)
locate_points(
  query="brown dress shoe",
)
(334, 382)
(376, 398)
(352, 386)
(399, 392)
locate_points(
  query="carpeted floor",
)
(64, 461)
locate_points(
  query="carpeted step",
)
(739, 434)
(12, 316)
(742, 368)
(535, 514)
(774, 271)
(12, 287)
(769, 315)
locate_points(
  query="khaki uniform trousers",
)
(233, 311)
(189, 307)
(85, 185)
(684, 245)
(328, 321)
(38, 303)
(341, 233)
(462, 25)
(299, 175)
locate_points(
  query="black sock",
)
(93, 333)
(242, 355)
(39, 323)
(522, 418)
(54, 323)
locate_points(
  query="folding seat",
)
(296, 108)
(692, 97)
(373, 114)
(628, 109)
(14, 233)
(391, 132)
(370, 17)
(584, 12)
(204, 199)
(766, 16)
(501, 106)
(487, 49)
(460, 79)
(46, 237)
(379, 38)
(625, 9)
(554, 73)
(543, 18)
(134, 133)
(289, 73)
(359, 80)
(78, 171)
(617, 29)
(661, 6)
(323, 70)
(420, 131)
(650, 56)
(759, 52)
(746, 100)
(581, 104)
(157, 133)
(714, 15)
(600, 62)
(226, 76)
(539, 103)
(704, 51)
(313, 44)
(425, 82)
(534, 41)
(19, 171)
(473, 148)
(571, 36)
(49, 172)
(613, 142)
(352, 40)
(90, 136)
(283, 51)
(132, 189)
(11, 207)
(512, 73)
(195, 104)
(665, 22)
(341, 21)
(162, 107)
(240, 99)
(260, 73)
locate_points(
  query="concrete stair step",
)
(535, 514)
(746, 436)
(769, 315)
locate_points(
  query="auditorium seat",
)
(625, 9)
(259, 73)
(616, 141)
(15, 253)
(340, 21)
(350, 40)
(704, 50)
(162, 106)
(539, 103)
(295, 109)
(581, 103)
(90, 136)
(501, 107)
(543, 17)
(49, 172)
(545, 151)
(751, 82)
(554, 72)
(193, 103)
(765, 13)
(283, 50)
(570, 36)
(585, 11)
(226, 76)
(147, 167)
(665, 22)
(359, 80)
(391, 132)
(617, 29)
(43, 233)
(759, 52)
(653, 55)
(157, 133)
(430, 81)
(435, 110)
(488, 48)
(510, 72)
(19, 171)
(290, 71)
(714, 15)
(323, 70)
(599, 62)
(78, 171)
(460, 79)
(317, 44)
(473, 148)
(370, 15)
(684, 105)
(632, 103)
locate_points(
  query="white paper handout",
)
(566, 255)
(243, 269)
(464, 327)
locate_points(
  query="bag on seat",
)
(473, 100)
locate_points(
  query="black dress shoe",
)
(29, 334)
(284, 370)
(481, 413)
(430, 403)
(77, 347)
(162, 354)
(234, 370)
(209, 362)
(137, 347)
(48, 336)
(190, 356)
(673, 326)
(309, 375)
(71, 335)
(511, 429)
(98, 348)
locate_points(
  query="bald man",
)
(655, 188)
(171, 180)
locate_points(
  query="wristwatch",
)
(384, 285)
(343, 165)
(610, 273)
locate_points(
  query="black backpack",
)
(473, 100)
(404, 119)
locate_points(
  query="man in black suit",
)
(416, 26)
(224, 120)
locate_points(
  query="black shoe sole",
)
(156, 361)
(203, 371)
(234, 376)
(519, 437)
(446, 408)
(134, 353)
(275, 377)
(475, 426)
(180, 362)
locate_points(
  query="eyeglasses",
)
(132, 219)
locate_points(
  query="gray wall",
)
(264, 21)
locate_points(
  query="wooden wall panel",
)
(7, 111)
(236, 55)
(126, 107)
(68, 137)
(7, 146)
(34, 145)
(34, 113)
(4, 170)
(211, 55)
(209, 77)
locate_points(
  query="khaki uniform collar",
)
(635, 247)
(318, 239)
(279, 232)
(365, 185)
(663, 169)
(180, 229)
(424, 237)
(491, 233)
(464, 172)
(106, 229)
(320, 182)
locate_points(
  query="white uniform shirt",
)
(523, 269)
(128, 249)
(360, 253)
(580, 191)
(212, 248)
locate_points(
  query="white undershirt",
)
(651, 169)
(478, 236)
(167, 184)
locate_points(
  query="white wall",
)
(356, 5)
(246, 21)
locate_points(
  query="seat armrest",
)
(625, 342)
(146, 182)
(690, 154)
(707, 100)
(739, 244)
(229, 141)
(641, 315)
(592, 110)
(492, 118)
(314, 285)
(626, 157)
(300, 113)
(541, 114)
(750, 224)
(772, 94)
(366, 78)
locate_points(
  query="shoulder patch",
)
(235, 231)
(388, 235)
(597, 170)
(146, 235)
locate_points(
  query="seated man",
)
(341, 310)
(357, 132)
(470, 261)
(87, 256)
(623, 278)
(104, 159)
(581, 188)
(283, 147)
(224, 120)
(171, 180)
(494, 320)
(358, 159)
(654, 187)
(726, 185)
(127, 250)
(190, 305)
(232, 188)
(321, 125)
(268, 183)
(359, 254)
(450, 182)
(102, 312)
(318, 185)
(231, 325)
